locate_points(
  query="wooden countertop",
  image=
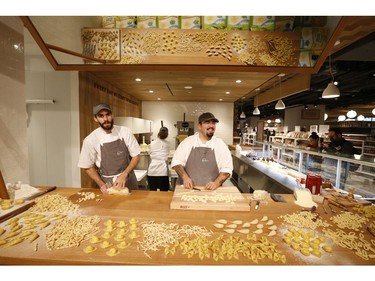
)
(154, 206)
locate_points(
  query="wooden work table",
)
(155, 206)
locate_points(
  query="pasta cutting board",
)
(226, 198)
(346, 202)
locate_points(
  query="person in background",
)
(313, 161)
(203, 159)
(157, 173)
(110, 153)
(338, 143)
(314, 141)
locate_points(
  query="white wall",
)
(53, 129)
(171, 112)
(14, 164)
(293, 117)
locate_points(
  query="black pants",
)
(160, 182)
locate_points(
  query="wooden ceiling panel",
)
(170, 86)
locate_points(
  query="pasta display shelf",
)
(343, 171)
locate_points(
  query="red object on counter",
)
(314, 183)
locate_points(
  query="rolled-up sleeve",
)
(224, 158)
(181, 154)
(88, 155)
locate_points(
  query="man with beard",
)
(110, 153)
(203, 159)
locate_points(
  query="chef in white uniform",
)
(203, 159)
(158, 173)
(110, 153)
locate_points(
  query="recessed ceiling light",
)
(335, 83)
(138, 79)
(159, 98)
(243, 98)
(188, 87)
(151, 91)
(337, 42)
(227, 93)
(238, 81)
(220, 99)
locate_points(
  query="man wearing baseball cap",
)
(110, 153)
(203, 159)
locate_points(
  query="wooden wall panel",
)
(93, 90)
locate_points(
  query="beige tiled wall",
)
(13, 140)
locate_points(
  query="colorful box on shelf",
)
(262, 23)
(190, 22)
(146, 21)
(284, 23)
(238, 22)
(214, 22)
(108, 22)
(313, 38)
(168, 22)
(126, 21)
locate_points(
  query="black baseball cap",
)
(207, 116)
(101, 106)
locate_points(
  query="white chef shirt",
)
(159, 151)
(91, 154)
(221, 150)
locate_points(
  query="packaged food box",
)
(238, 22)
(126, 21)
(262, 23)
(146, 21)
(190, 22)
(313, 37)
(284, 23)
(167, 22)
(214, 22)
(108, 22)
(305, 59)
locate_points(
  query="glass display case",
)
(356, 171)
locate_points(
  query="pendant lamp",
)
(280, 104)
(243, 115)
(331, 91)
(351, 114)
(256, 110)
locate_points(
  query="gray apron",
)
(201, 166)
(115, 158)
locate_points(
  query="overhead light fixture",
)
(269, 121)
(277, 120)
(242, 115)
(351, 114)
(360, 118)
(188, 87)
(280, 104)
(325, 116)
(331, 91)
(341, 118)
(238, 81)
(256, 110)
(227, 93)
(373, 111)
(220, 99)
(151, 91)
(138, 79)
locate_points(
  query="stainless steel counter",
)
(253, 175)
